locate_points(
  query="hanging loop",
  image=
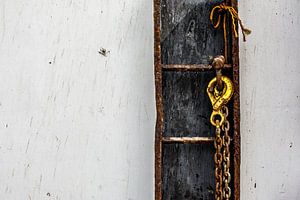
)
(222, 11)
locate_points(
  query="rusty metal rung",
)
(185, 140)
(198, 67)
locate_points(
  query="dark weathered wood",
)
(185, 43)
(236, 113)
(187, 34)
(187, 107)
(186, 175)
(158, 97)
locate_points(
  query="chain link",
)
(218, 143)
(226, 155)
(218, 118)
(222, 156)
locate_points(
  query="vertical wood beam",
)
(159, 103)
(236, 111)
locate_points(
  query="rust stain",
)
(236, 111)
(188, 140)
(194, 67)
(159, 103)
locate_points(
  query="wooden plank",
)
(187, 34)
(187, 107)
(159, 106)
(236, 114)
(186, 175)
(186, 44)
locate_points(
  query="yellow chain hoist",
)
(220, 90)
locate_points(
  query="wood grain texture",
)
(159, 99)
(186, 175)
(187, 110)
(186, 37)
(186, 104)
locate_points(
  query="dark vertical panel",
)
(188, 36)
(186, 176)
(184, 35)
(186, 105)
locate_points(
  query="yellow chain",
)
(219, 102)
(218, 143)
(221, 143)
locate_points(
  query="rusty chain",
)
(218, 143)
(219, 100)
(222, 176)
(219, 97)
(226, 155)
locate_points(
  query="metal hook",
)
(218, 100)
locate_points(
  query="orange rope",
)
(234, 16)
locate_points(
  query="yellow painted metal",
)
(219, 98)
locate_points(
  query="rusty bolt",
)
(218, 62)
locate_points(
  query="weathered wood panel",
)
(187, 34)
(186, 176)
(187, 107)
(187, 110)
(188, 37)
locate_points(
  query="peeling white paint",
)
(270, 100)
(75, 124)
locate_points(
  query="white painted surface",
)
(82, 127)
(270, 100)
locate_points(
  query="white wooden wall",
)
(81, 127)
(270, 100)
(75, 124)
